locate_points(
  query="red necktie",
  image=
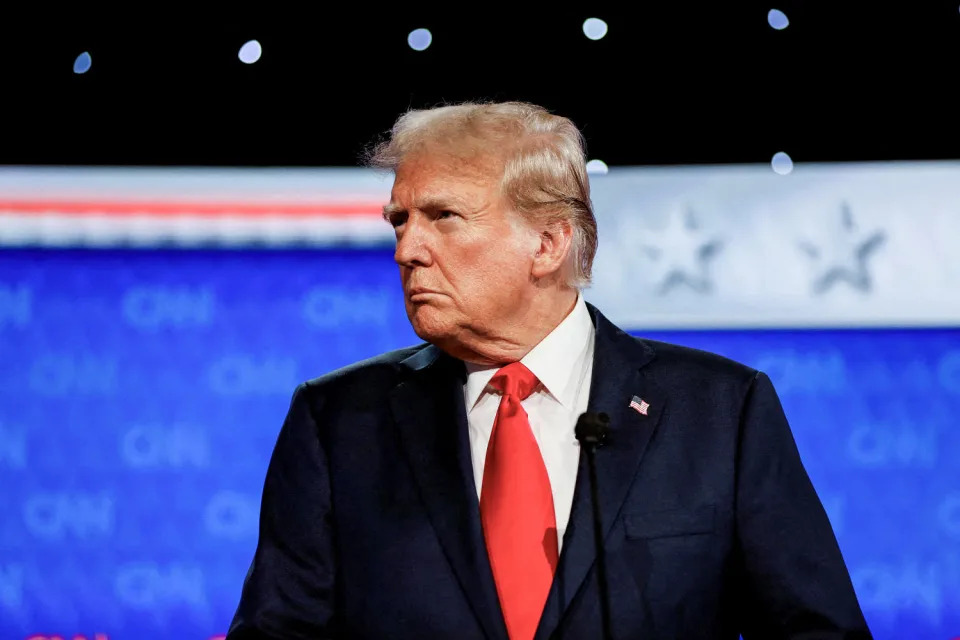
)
(516, 508)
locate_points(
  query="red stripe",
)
(198, 208)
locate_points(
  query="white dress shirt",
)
(563, 363)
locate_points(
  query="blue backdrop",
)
(141, 393)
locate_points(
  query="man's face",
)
(464, 256)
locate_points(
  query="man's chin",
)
(431, 324)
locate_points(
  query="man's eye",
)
(446, 214)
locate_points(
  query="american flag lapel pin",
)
(639, 405)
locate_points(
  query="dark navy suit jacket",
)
(370, 524)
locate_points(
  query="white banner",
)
(741, 246)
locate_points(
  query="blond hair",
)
(544, 174)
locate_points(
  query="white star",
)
(842, 255)
(680, 254)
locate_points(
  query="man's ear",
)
(556, 241)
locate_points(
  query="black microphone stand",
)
(591, 431)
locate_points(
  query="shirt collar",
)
(557, 360)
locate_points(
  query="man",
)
(439, 492)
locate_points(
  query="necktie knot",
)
(514, 380)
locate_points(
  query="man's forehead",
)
(424, 181)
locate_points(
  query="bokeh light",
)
(782, 163)
(83, 63)
(597, 167)
(419, 39)
(594, 28)
(250, 52)
(777, 19)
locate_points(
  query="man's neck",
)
(516, 339)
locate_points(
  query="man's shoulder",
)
(669, 363)
(695, 366)
(368, 372)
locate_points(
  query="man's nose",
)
(414, 244)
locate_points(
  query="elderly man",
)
(439, 492)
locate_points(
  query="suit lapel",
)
(617, 377)
(428, 407)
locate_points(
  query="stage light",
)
(594, 28)
(782, 163)
(419, 39)
(250, 52)
(777, 19)
(597, 167)
(82, 63)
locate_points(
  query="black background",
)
(672, 83)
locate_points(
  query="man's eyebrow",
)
(431, 204)
(390, 210)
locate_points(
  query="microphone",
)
(591, 432)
